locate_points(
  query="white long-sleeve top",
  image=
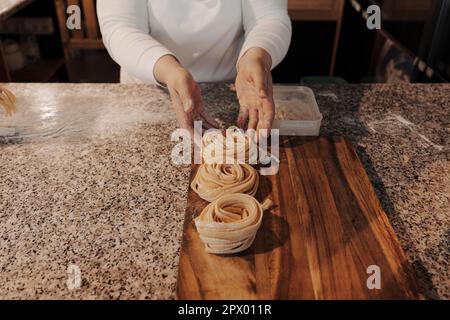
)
(207, 36)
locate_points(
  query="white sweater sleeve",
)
(267, 26)
(125, 28)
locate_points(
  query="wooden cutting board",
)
(326, 229)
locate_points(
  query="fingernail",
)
(262, 93)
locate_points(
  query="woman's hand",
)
(185, 93)
(254, 89)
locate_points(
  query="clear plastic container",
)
(297, 112)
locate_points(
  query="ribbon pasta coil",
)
(234, 147)
(215, 180)
(229, 224)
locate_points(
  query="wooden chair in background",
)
(84, 52)
(320, 10)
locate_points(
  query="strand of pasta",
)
(229, 224)
(7, 101)
(215, 180)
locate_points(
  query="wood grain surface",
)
(326, 228)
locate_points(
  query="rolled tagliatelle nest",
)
(215, 180)
(229, 224)
(233, 147)
(7, 101)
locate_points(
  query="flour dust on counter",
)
(52, 114)
(110, 203)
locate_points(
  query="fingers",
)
(190, 102)
(268, 107)
(200, 114)
(251, 111)
(260, 81)
(209, 121)
(255, 94)
(259, 113)
(187, 97)
(243, 117)
(253, 118)
(184, 119)
(268, 115)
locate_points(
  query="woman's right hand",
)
(185, 93)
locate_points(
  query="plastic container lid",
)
(297, 112)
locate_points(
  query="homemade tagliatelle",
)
(215, 180)
(233, 147)
(229, 224)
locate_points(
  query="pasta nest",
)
(233, 147)
(229, 224)
(215, 180)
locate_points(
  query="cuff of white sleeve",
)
(147, 62)
(263, 44)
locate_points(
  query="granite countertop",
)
(9, 7)
(92, 183)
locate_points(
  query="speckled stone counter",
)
(98, 189)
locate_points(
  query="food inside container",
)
(297, 112)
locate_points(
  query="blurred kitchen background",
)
(331, 43)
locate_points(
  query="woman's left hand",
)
(254, 89)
